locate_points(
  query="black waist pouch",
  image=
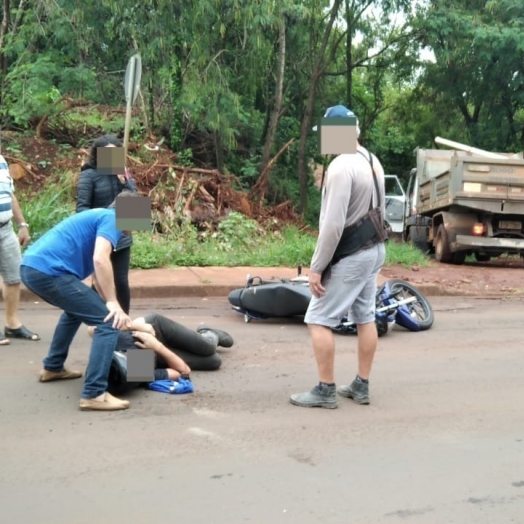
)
(363, 234)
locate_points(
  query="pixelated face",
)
(140, 365)
(338, 136)
(133, 214)
(110, 160)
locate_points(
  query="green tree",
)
(479, 50)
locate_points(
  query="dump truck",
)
(465, 201)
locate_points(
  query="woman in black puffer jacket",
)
(96, 190)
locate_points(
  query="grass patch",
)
(53, 203)
(266, 249)
(404, 254)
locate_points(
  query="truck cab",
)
(395, 202)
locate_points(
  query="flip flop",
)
(21, 332)
(4, 341)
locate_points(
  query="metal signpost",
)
(132, 86)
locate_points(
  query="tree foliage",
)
(229, 83)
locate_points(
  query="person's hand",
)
(120, 319)
(23, 236)
(314, 284)
(145, 340)
(139, 324)
(122, 178)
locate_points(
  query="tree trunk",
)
(349, 56)
(176, 128)
(305, 128)
(275, 114)
(219, 150)
(4, 28)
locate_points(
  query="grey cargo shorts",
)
(10, 255)
(350, 289)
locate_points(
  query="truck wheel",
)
(442, 251)
(419, 244)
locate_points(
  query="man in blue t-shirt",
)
(53, 268)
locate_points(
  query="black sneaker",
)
(225, 340)
(358, 391)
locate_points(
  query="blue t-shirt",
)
(69, 247)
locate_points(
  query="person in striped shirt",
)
(10, 256)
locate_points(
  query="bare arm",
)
(136, 325)
(147, 341)
(23, 231)
(104, 279)
(17, 210)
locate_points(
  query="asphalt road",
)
(442, 441)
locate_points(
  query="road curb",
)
(223, 290)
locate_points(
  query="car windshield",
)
(393, 187)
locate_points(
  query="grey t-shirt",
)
(345, 199)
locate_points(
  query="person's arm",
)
(104, 278)
(173, 361)
(127, 181)
(130, 184)
(23, 231)
(84, 192)
(140, 326)
(335, 207)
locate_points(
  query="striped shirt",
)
(6, 190)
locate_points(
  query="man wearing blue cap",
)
(348, 257)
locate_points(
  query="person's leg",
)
(10, 258)
(11, 293)
(324, 347)
(63, 336)
(363, 311)
(342, 287)
(80, 304)
(120, 260)
(367, 345)
(175, 336)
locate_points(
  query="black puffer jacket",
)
(95, 190)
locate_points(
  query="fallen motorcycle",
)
(397, 303)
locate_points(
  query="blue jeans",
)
(79, 304)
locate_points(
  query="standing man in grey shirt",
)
(349, 284)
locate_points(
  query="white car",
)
(395, 202)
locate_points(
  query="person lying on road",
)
(178, 349)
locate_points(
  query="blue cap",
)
(337, 112)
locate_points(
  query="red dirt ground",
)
(500, 277)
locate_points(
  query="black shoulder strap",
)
(370, 160)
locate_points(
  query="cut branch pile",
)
(205, 196)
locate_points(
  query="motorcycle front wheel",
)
(420, 310)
